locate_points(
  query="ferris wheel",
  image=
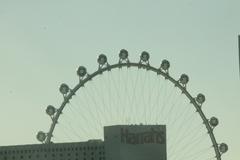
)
(134, 93)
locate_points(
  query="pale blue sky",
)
(43, 42)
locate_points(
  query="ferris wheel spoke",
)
(106, 96)
(133, 101)
(179, 114)
(156, 104)
(113, 98)
(182, 135)
(159, 106)
(188, 147)
(162, 103)
(99, 104)
(69, 124)
(197, 154)
(91, 112)
(153, 95)
(174, 102)
(182, 126)
(64, 133)
(64, 126)
(128, 111)
(166, 102)
(79, 109)
(105, 105)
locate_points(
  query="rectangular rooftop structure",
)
(121, 142)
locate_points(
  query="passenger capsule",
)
(223, 147)
(165, 65)
(123, 55)
(102, 59)
(64, 89)
(184, 79)
(82, 71)
(145, 56)
(200, 98)
(50, 110)
(41, 136)
(213, 121)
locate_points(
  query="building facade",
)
(121, 142)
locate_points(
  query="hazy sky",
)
(43, 42)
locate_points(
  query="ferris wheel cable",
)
(196, 154)
(218, 155)
(128, 100)
(110, 95)
(83, 117)
(104, 99)
(147, 98)
(89, 121)
(69, 126)
(131, 84)
(186, 118)
(188, 147)
(177, 139)
(191, 130)
(119, 90)
(184, 135)
(112, 98)
(180, 137)
(132, 96)
(123, 91)
(172, 105)
(200, 141)
(100, 106)
(156, 104)
(163, 102)
(118, 101)
(133, 99)
(179, 113)
(74, 132)
(143, 98)
(169, 96)
(80, 111)
(152, 98)
(202, 156)
(89, 108)
(134, 102)
(159, 101)
(184, 123)
(64, 132)
(104, 106)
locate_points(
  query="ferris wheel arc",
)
(104, 66)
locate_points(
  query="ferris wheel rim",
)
(141, 65)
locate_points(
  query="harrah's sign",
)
(151, 136)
